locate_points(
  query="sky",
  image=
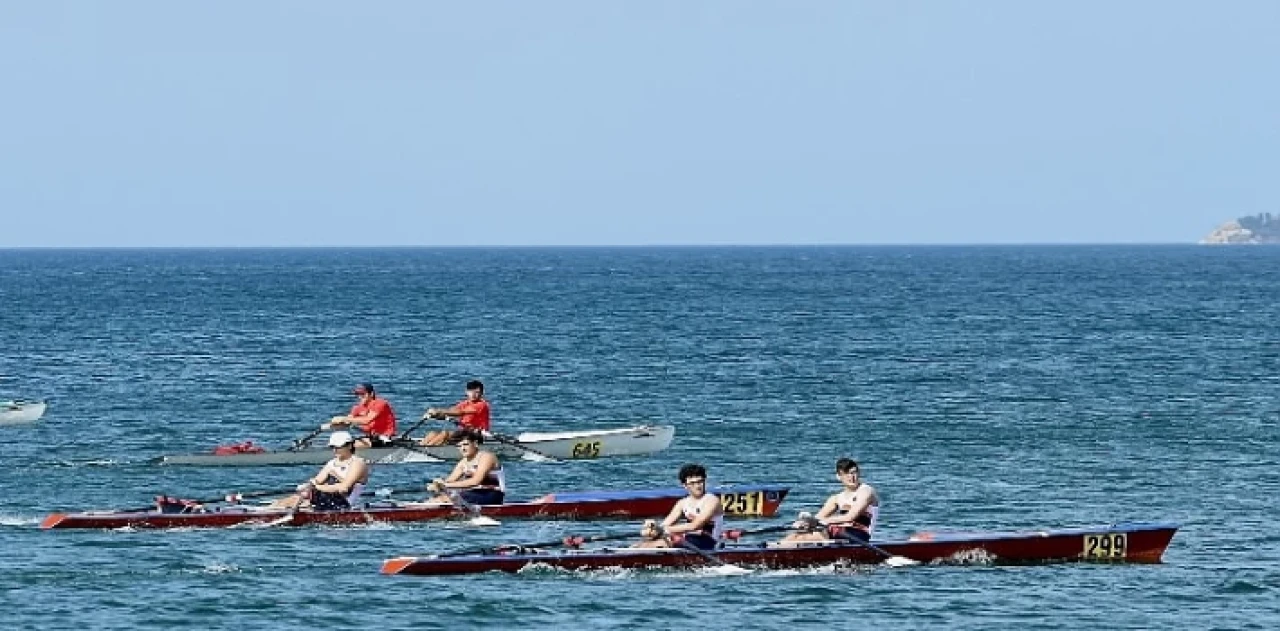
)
(595, 122)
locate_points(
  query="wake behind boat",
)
(21, 412)
(1116, 543)
(762, 500)
(570, 445)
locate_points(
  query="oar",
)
(530, 453)
(306, 440)
(569, 540)
(477, 518)
(405, 434)
(231, 497)
(738, 534)
(889, 559)
(724, 567)
(388, 492)
(399, 454)
(293, 510)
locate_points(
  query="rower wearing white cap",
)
(340, 481)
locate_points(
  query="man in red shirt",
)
(371, 415)
(471, 412)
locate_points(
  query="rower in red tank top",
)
(472, 413)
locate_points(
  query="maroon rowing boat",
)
(1131, 543)
(740, 500)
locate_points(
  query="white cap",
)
(340, 439)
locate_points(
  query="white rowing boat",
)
(536, 446)
(19, 412)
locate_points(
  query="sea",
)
(980, 387)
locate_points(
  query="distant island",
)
(1262, 228)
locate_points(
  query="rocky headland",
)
(1263, 228)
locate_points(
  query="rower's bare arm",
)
(861, 501)
(454, 475)
(320, 477)
(672, 517)
(486, 464)
(828, 509)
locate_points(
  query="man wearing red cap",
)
(371, 415)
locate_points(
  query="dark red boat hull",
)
(741, 501)
(1119, 543)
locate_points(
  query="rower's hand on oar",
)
(651, 530)
(806, 521)
(436, 486)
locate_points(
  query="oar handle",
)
(568, 540)
(516, 443)
(413, 428)
(306, 440)
(228, 497)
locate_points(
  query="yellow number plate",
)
(744, 504)
(586, 449)
(1111, 545)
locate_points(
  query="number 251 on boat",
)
(744, 504)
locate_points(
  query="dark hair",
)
(845, 465)
(692, 471)
(475, 384)
(468, 434)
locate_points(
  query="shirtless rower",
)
(849, 514)
(339, 483)
(696, 520)
(477, 478)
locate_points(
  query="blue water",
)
(981, 387)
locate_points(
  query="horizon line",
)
(617, 246)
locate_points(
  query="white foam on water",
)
(17, 520)
(220, 568)
(100, 462)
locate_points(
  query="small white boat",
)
(534, 446)
(19, 412)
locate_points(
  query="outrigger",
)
(1116, 543)
(759, 500)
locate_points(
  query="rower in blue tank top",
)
(697, 520)
(478, 477)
